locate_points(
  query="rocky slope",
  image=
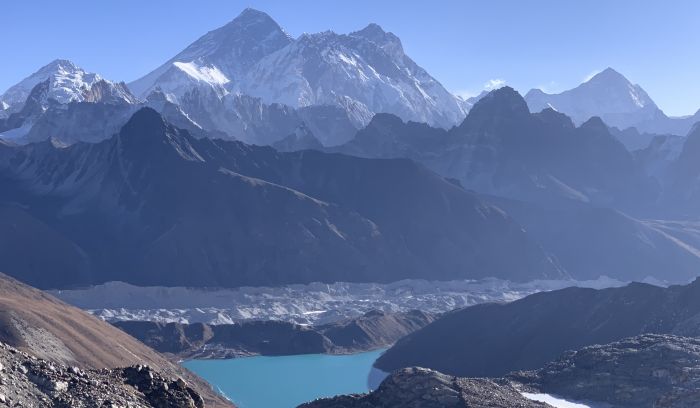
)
(153, 203)
(64, 336)
(590, 241)
(493, 339)
(681, 193)
(423, 388)
(371, 331)
(28, 381)
(646, 371)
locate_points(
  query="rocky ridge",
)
(31, 382)
(659, 371)
(423, 388)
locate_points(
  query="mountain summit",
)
(230, 50)
(617, 101)
(67, 82)
(607, 94)
(360, 73)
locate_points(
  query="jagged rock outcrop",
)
(28, 381)
(423, 388)
(648, 371)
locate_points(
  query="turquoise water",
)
(285, 382)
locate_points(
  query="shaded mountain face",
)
(493, 339)
(153, 204)
(591, 241)
(503, 149)
(682, 193)
(360, 74)
(46, 328)
(612, 97)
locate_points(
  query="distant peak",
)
(608, 75)
(251, 15)
(385, 119)
(534, 92)
(145, 120)
(60, 64)
(501, 102)
(552, 117)
(373, 28)
(504, 94)
(386, 40)
(595, 123)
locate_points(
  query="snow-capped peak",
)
(365, 71)
(389, 42)
(232, 49)
(607, 94)
(367, 66)
(610, 79)
(67, 83)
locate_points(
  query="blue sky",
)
(464, 44)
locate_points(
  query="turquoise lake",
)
(285, 382)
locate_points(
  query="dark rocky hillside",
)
(423, 388)
(647, 371)
(31, 382)
(494, 339)
(63, 336)
(153, 204)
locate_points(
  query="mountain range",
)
(503, 149)
(360, 73)
(153, 203)
(75, 144)
(251, 81)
